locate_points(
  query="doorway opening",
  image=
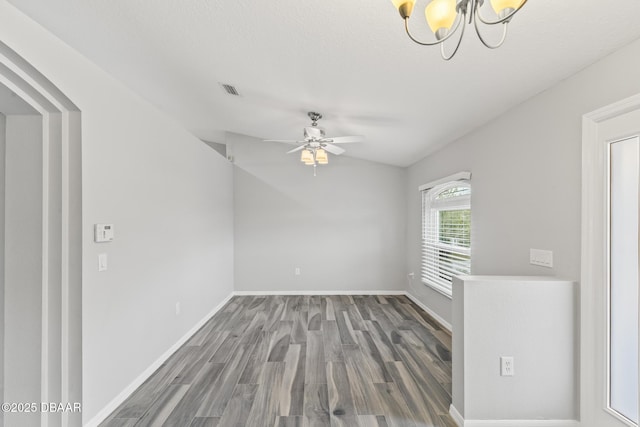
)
(40, 246)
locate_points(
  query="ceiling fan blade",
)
(296, 149)
(285, 141)
(333, 149)
(344, 139)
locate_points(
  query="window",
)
(446, 233)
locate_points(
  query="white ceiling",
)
(349, 60)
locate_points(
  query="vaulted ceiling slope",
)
(349, 60)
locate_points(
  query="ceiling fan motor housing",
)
(313, 133)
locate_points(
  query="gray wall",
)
(526, 183)
(170, 198)
(343, 228)
(544, 385)
(23, 265)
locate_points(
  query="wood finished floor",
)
(355, 361)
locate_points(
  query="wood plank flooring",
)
(277, 361)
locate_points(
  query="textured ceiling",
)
(349, 60)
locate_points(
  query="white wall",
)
(170, 198)
(23, 265)
(343, 228)
(526, 168)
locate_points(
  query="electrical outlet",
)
(177, 308)
(297, 271)
(506, 366)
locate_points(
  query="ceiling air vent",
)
(230, 89)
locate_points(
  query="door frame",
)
(593, 296)
(61, 345)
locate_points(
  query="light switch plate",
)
(541, 257)
(102, 262)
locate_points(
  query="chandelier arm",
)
(484, 42)
(442, 40)
(499, 21)
(442, 53)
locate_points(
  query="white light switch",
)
(103, 233)
(541, 257)
(102, 262)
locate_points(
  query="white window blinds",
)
(446, 233)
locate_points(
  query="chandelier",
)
(446, 17)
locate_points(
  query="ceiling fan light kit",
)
(307, 157)
(321, 156)
(446, 17)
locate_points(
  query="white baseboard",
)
(520, 423)
(461, 422)
(457, 418)
(124, 394)
(338, 292)
(431, 313)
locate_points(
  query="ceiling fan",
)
(316, 144)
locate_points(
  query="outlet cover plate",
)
(541, 257)
(506, 366)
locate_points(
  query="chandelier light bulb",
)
(405, 7)
(502, 6)
(441, 14)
